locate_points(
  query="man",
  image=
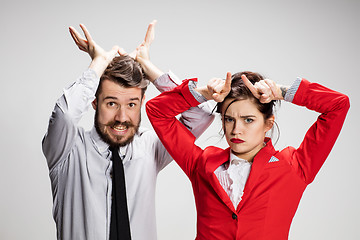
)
(80, 162)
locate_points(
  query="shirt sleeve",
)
(167, 82)
(176, 138)
(68, 110)
(320, 138)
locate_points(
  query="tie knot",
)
(114, 153)
(113, 149)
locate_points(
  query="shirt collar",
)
(234, 160)
(103, 148)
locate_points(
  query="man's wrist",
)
(98, 65)
(151, 71)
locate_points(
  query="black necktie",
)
(119, 224)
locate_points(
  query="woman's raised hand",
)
(217, 89)
(265, 90)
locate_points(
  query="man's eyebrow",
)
(115, 98)
(110, 97)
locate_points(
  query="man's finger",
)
(150, 33)
(79, 41)
(132, 54)
(74, 34)
(122, 52)
(86, 32)
(114, 50)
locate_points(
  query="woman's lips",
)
(236, 140)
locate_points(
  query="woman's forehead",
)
(240, 107)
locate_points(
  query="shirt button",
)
(234, 216)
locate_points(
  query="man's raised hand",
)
(88, 45)
(100, 58)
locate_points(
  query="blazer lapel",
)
(258, 166)
(212, 164)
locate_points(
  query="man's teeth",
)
(120, 128)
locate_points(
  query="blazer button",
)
(234, 216)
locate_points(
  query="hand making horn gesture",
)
(265, 90)
(219, 88)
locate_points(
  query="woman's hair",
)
(126, 72)
(239, 91)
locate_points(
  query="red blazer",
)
(277, 179)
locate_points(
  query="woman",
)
(249, 190)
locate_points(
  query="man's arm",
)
(70, 107)
(196, 119)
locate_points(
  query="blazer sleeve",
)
(321, 136)
(177, 139)
(196, 119)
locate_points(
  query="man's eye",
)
(111, 104)
(132, 104)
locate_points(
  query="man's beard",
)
(120, 140)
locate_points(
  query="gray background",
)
(318, 40)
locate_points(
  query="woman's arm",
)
(177, 139)
(162, 112)
(321, 136)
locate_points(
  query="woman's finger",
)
(250, 86)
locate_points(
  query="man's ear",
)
(269, 123)
(94, 103)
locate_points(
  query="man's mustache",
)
(117, 123)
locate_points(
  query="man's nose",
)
(121, 115)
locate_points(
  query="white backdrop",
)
(318, 40)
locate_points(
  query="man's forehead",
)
(112, 89)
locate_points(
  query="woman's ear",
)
(269, 123)
(94, 104)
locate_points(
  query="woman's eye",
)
(228, 119)
(249, 120)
